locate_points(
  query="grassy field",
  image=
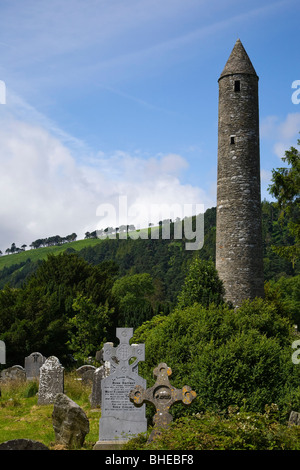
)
(42, 253)
(22, 418)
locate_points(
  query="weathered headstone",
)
(86, 373)
(33, 364)
(2, 352)
(162, 395)
(70, 422)
(95, 397)
(51, 380)
(100, 373)
(120, 419)
(13, 373)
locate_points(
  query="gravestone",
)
(86, 373)
(95, 397)
(51, 381)
(100, 373)
(13, 373)
(162, 395)
(120, 419)
(33, 364)
(70, 422)
(2, 352)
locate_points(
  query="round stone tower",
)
(239, 258)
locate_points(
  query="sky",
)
(103, 101)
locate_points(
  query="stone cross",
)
(162, 395)
(2, 352)
(120, 355)
(120, 419)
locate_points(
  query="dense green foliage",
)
(38, 316)
(237, 430)
(202, 285)
(286, 189)
(239, 357)
(132, 294)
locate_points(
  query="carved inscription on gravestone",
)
(120, 419)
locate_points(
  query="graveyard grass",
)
(22, 418)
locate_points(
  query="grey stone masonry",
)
(239, 258)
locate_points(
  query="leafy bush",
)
(237, 430)
(229, 357)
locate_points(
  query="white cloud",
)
(284, 133)
(46, 191)
(290, 127)
(265, 176)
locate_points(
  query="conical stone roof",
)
(238, 62)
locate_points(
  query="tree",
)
(229, 357)
(88, 327)
(37, 316)
(132, 294)
(286, 189)
(202, 285)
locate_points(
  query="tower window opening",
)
(237, 85)
(232, 140)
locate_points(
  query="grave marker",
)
(100, 373)
(2, 352)
(162, 395)
(33, 364)
(120, 419)
(51, 380)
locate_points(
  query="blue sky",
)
(110, 98)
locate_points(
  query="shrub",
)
(227, 356)
(237, 430)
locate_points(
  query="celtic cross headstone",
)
(162, 395)
(120, 419)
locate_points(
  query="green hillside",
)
(165, 260)
(34, 255)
